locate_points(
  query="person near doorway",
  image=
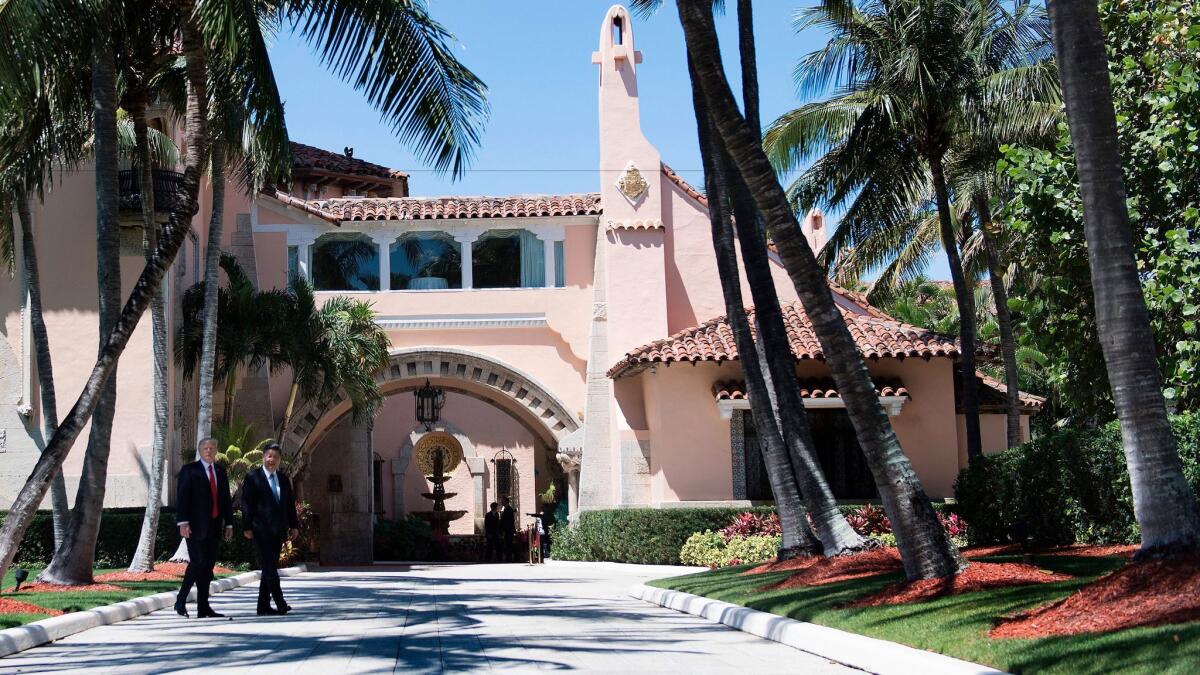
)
(491, 533)
(204, 514)
(508, 528)
(269, 519)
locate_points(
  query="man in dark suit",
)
(204, 514)
(508, 528)
(269, 519)
(491, 532)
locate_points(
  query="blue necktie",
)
(275, 488)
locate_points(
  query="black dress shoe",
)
(268, 611)
(284, 609)
(181, 610)
(209, 614)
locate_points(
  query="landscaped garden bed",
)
(960, 618)
(36, 601)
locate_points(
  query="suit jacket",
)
(195, 500)
(260, 512)
(508, 519)
(491, 524)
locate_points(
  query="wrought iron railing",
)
(167, 186)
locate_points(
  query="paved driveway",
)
(430, 618)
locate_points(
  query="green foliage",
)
(1066, 487)
(710, 549)
(118, 538)
(646, 536)
(1154, 62)
(408, 539)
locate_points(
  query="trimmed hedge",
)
(408, 539)
(646, 536)
(118, 539)
(1067, 487)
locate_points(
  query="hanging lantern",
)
(430, 400)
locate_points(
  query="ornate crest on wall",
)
(631, 183)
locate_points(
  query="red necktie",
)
(212, 486)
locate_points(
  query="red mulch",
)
(1140, 594)
(819, 571)
(784, 566)
(60, 588)
(978, 576)
(177, 569)
(137, 576)
(1075, 550)
(17, 607)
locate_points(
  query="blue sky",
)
(535, 56)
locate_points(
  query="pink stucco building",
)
(579, 339)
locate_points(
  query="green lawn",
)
(958, 625)
(74, 601)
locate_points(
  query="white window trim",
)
(891, 404)
(449, 321)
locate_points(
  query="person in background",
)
(269, 519)
(508, 528)
(204, 515)
(491, 533)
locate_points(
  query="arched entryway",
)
(347, 478)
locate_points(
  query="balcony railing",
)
(167, 186)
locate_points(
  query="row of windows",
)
(431, 261)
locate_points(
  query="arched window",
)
(508, 259)
(345, 262)
(426, 260)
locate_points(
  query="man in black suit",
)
(508, 528)
(204, 514)
(269, 519)
(491, 532)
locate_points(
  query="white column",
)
(549, 262)
(304, 257)
(384, 241)
(465, 239)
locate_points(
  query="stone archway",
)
(350, 539)
(499, 383)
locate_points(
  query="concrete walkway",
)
(430, 618)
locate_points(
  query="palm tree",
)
(924, 547)
(1164, 502)
(331, 351)
(397, 54)
(916, 80)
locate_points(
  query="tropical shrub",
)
(753, 524)
(868, 520)
(1067, 487)
(408, 539)
(713, 550)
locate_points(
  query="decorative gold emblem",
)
(631, 183)
(430, 446)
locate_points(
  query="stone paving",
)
(429, 619)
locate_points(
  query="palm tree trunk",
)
(924, 546)
(964, 296)
(143, 557)
(212, 261)
(1163, 501)
(230, 393)
(1008, 341)
(776, 461)
(25, 505)
(831, 529)
(41, 346)
(73, 559)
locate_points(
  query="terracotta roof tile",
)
(993, 395)
(427, 208)
(713, 341)
(308, 157)
(734, 390)
(684, 185)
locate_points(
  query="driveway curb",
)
(857, 651)
(20, 638)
